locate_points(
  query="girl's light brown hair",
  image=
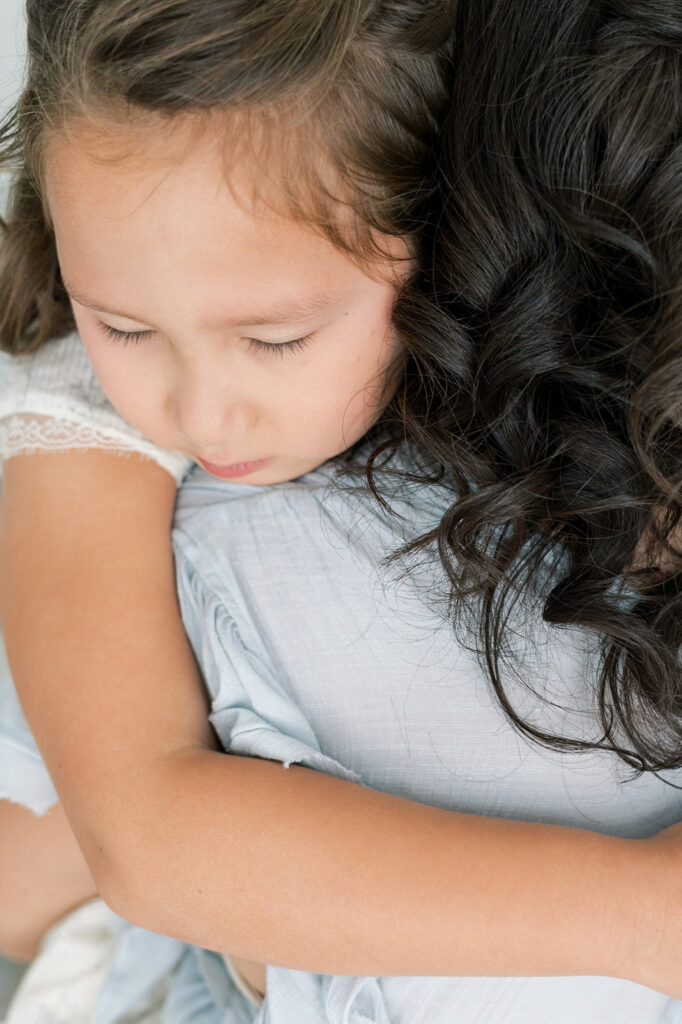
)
(343, 98)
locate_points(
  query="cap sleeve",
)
(51, 400)
(251, 711)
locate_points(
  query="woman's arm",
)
(289, 867)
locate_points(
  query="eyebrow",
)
(281, 312)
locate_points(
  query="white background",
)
(12, 45)
(11, 49)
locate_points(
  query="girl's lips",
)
(236, 469)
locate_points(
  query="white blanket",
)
(63, 984)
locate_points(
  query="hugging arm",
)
(289, 867)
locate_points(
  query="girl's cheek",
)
(117, 369)
(103, 361)
(94, 343)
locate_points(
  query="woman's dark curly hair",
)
(531, 155)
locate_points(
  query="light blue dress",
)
(314, 652)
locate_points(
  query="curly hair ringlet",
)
(532, 157)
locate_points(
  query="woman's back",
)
(315, 653)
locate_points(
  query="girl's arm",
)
(43, 875)
(236, 854)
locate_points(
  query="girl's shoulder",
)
(56, 364)
(51, 400)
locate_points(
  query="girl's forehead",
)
(182, 186)
(188, 197)
(143, 151)
(269, 164)
(135, 239)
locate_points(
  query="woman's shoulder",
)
(205, 499)
(399, 491)
(324, 525)
(334, 490)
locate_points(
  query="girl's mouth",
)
(235, 470)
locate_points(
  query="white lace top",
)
(51, 400)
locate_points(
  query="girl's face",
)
(232, 334)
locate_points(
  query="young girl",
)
(330, 248)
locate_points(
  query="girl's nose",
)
(213, 418)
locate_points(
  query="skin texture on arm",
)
(289, 867)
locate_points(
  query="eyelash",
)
(278, 350)
(284, 347)
(125, 337)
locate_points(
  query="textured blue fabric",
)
(314, 651)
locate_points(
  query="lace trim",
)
(19, 435)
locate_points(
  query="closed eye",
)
(127, 337)
(281, 348)
(276, 349)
